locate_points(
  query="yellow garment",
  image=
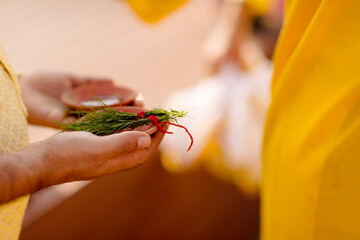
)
(311, 152)
(311, 142)
(256, 7)
(13, 137)
(152, 11)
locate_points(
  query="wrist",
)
(32, 169)
(16, 178)
(39, 168)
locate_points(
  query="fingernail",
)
(144, 142)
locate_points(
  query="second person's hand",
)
(41, 94)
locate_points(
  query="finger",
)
(125, 142)
(79, 80)
(70, 119)
(139, 103)
(135, 158)
(54, 116)
(45, 110)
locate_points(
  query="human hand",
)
(72, 156)
(41, 95)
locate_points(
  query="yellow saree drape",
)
(311, 144)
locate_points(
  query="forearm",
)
(22, 173)
(15, 180)
(72, 156)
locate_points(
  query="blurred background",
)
(166, 62)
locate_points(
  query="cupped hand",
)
(41, 94)
(72, 156)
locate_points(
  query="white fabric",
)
(233, 104)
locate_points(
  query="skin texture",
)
(41, 95)
(68, 156)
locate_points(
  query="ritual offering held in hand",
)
(106, 120)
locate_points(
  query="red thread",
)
(187, 131)
(141, 114)
(155, 120)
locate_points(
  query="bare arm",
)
(71, 156)
(13, 177)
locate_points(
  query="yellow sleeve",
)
(152, 11)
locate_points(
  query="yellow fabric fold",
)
(311, 143)
(152, 11)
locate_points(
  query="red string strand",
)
(141, 114)
(187, 131)
(154, 119)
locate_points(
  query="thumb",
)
(125, 142)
